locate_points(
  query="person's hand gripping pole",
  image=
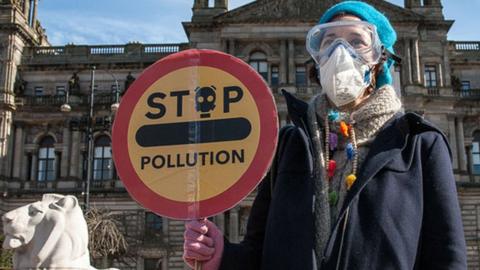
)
(203, 245)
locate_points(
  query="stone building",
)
(43, 149)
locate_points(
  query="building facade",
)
(44, 150)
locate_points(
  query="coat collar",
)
(389, 142)
(297, 109)
(390, 149)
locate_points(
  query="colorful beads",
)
(333, 139)
(331, 144)
(333, 198)
(332, 165)
(344, 128)
(350, 180)
(333, 115)
(350, 151)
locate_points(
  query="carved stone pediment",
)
(282, 11)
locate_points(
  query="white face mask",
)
(342, 78)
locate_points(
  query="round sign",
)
(194, 134)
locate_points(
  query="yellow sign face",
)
(194, 134)
(193, 139)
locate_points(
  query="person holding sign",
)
(356, 183)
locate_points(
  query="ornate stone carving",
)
(48, 234)
(19, 85)
(128, 81)
(74, 84)
(302, 11)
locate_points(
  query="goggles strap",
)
(386, 54)
(376, 69)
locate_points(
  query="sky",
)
(95, 22)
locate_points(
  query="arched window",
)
(46, 160)
(102, 159)
(476, 152)
(258, 60)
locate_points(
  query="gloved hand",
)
(203, 242)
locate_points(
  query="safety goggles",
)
(359, 37)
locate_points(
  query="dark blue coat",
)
(403, 208)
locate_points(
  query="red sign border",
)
(252, 176)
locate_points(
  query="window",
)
(274, 76)
(102, 159)
(46, 160)
(300, 75)
(153, 226)
(430, 76)
(465, 85)
(152, 264)
(60, 91)
(258, 60)
(38, 91)
(476, 153)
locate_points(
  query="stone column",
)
(197, 4)
(8, 144)
(283, 62)
(58, 158)
(200, 4)
(291, 62)
(75, 154)
(18, 151)
(231, 46)
(221, 4)
(415, 61)
(440, 75)
(26, 10)
(220, 221)
(234, 225)
(462, 163)
(407, 63)
(33, 172)
(452, 137)
(446, 66)
(34, 13)
(23, 173)
(65, 152)
(470, 163)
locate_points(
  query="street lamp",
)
(66, 107)
(90, 141)
(114, 107)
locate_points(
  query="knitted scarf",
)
(368, 119)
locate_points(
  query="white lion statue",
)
(48, 234)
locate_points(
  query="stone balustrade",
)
(63, 185)
(57, 100)
(133, 52)
(447, 92)
(466, 45)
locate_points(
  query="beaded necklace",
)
(348, 131)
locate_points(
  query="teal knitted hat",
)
(367, 13)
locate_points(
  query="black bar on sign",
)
(220, 130)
